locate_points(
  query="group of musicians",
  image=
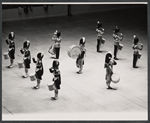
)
(109, 60)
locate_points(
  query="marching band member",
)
(100, 32)
(109, 62)
(57, 38)
(11, 51)
(57, 78)
(117, 38)
(136, 49)
(80, 59)
(27, 57)
(39, 69)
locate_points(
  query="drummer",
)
(11, 51)
(80, 59)
(100, 32)
(27, 57)
(136, 49)
(117, 38)
(109, 62)
(57, 78)
(57, 38)
(39, 69)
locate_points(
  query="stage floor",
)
(85, 94)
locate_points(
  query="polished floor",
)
(83, 94)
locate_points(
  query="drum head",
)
(32, 74)
(74, 51)
(115, 78)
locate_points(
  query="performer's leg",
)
(11, 63)
(80, 66)
(57, 52)
(108, 81)
(26, 73)
(38, 84)
(80, 69)
(55, 94)
(115, 52)
(135, 60)
(98, 45)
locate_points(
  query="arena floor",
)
(82, 96)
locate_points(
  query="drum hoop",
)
(32, 74)
(72, 47)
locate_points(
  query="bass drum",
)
(115, 78)
(74, 51)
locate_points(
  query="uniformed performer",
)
(136, 49)
(109, 62)
(39, 69)
(27, 57)
(57, 78)
(57, 38)
(117, 38)
(80, 59)
(11, 50)
(100, 32)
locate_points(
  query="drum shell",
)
(6, 55)
(120, 46)
(103, 41)
(114, 80)
(32, 77)
(20, 64)
(139, 55)
(50, 86)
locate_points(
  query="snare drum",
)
(139, 55)
(5, 55)
(74, 51)
(115, 78)
(50, 86)
(20, 64)
(32, 76)
(103, 41)
(52, 50)
(120, 46)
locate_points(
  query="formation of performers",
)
(55, 50)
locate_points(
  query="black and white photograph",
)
(74, 61)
